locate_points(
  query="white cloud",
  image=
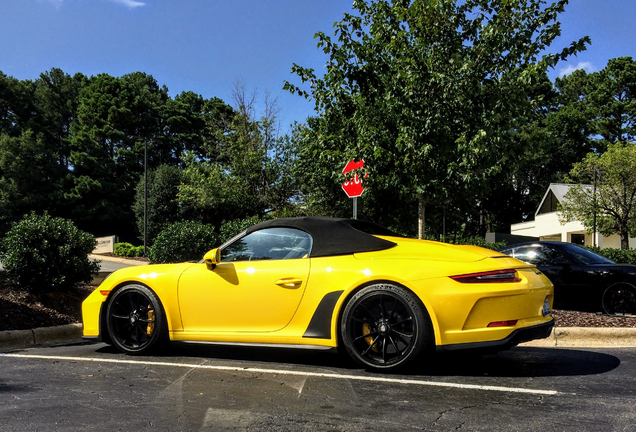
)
(586, 66)
(129, 3)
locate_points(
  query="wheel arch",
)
(103, 328)
(346, 298)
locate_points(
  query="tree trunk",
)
(421, 212)
(624, 239)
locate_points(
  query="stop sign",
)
(353, 186)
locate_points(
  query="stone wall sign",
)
(105, 244)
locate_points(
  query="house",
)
(546, 224)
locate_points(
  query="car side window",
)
(269, 244)
(537, 255)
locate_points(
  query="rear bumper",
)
(518, 336)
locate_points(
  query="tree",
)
(429, 93)
(30, 177)
(612, 99)
(608, 200)
(163, 207)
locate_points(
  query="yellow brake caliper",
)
(366, 329)
(151, 324)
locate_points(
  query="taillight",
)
(509, 323)
(495, 276)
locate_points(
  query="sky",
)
(206, 46)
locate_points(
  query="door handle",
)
(289, 282)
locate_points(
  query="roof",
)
(334, 236)
(555, 191)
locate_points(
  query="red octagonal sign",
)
(354, 185)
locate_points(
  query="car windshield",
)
(584, 255)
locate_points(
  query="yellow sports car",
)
(332, 283)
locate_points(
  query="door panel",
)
(242, 296)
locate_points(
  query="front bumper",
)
(518, 336)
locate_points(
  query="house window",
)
(577, 239)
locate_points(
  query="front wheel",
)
(385, 327)
(136, 320)
(619, 298)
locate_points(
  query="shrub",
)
(128, 250)
(182, 241)
(475, 241)
(44, 254)
(620, 256)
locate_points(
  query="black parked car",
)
(582, 279)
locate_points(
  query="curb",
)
(117, 260)
(587, 337)
(12, 339)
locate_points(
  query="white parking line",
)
(289, 372)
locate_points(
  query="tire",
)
(385, 327)
(619, 298)
(136, 320)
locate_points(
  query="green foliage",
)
(475, 241)
(619, 256)
(30, 177)
(43, 254)
(128, 250)
(427, 93)
(608, 204)
(231, 228)
(183, 241)
(163, 207)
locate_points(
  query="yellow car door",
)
(256, 287)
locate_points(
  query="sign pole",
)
(355, 207)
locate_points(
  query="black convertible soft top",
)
(333, 236)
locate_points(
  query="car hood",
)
(407, 248)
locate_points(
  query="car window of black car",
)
(585, 256)
(269, 244)
(537, 255)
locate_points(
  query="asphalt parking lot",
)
(211, 387)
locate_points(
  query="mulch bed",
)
(21, 311)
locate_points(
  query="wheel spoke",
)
(367, 309)
(403, 321)
(397, 350)
(382, 309)
(393, 308)
(120, 316)
(122, 307)
(361, 320)
(384, 349)
(373, 333)
(409, 335)
(366, 351)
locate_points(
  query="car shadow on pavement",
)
(523, 362)
(517, 362)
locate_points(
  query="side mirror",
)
(212, 258)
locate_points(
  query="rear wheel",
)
(136, 320)
(620, 298)
(385, 327)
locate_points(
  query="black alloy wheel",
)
(136, 320)
(620, 298)
(385, 327)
